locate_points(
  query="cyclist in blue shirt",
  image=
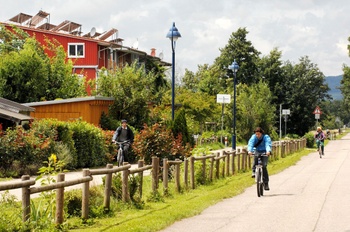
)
(262, 143)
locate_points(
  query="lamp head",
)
(173, 33)
(234, 66)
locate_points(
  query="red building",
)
(91, 51)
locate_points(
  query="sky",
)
(318, 29)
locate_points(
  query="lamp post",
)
(234, 67)
(173, 35)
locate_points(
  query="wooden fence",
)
(218, 166)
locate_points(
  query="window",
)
(76, 50)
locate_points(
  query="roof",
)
(13, 106)
(12, 116)
(70, 100)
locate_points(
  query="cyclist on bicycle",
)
(124, 133)
(261, 143)
(320, 137)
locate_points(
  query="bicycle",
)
(319, 148)
(259, 175)
(120, 153)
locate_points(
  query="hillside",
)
(334, 84)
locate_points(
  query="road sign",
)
(286, 112)
(223, 98)
(317, 110)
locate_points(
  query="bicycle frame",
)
(259, 174)
(120, 153)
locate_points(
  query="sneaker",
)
(253, 175)
(323, 153)
(266, 186)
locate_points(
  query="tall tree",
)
(305, 89)
(130, 98)
(254, 109)
(242, 50)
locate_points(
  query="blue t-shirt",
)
(264, 146)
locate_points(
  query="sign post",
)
(223, 98)
(317, 112)
(285, 112)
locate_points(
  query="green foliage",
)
(24, 150)
(305, 89)
(11, 211)
(159, 141)
(254, 109)
(85, 136)
(28, 74)
(179, 126)
(310, 140)
(133, 88)
(241, 49)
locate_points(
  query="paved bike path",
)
(313, 195)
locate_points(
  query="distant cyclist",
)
(320, 137)
(124, 133)
(261, 143)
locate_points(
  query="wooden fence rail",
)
(232, 162)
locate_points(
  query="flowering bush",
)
(159, 141)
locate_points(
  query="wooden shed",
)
(88, 109)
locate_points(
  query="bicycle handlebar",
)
(120, 143)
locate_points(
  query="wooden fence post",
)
(125, 185)
(227, 163)
(193, 184)
(165, 175)
(233, 162)
(140, 164)
(108, 188)
(177, 176)
(25, 200)
(59, 200)
(186, 172)
(85, 196)
(211, 171)
(217, 165)
(155, 169)
(204, 168)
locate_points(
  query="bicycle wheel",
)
(120, 157)
(259, 182)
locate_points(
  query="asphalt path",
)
(311, 196)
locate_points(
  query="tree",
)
(242, 50)
(254, 109)
(132, 88)
(24, 73)
(305, 89)
(28, 74)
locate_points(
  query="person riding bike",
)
(124, 133)
(261, 143)
(320, 137)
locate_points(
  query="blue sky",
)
(317, 29)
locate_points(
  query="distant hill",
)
(334, 84)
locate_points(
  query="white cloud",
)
(316, 28)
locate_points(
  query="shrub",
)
(159, 141)
(310, 140)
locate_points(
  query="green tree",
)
(241, 49)
(28, 74)
(24, 73)
(132, 89)
(305, 89)
(254, 109)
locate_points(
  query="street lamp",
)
(234, 67)
(173, 35)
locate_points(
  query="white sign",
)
(223, 98)
(317, 116)
(285, 112)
